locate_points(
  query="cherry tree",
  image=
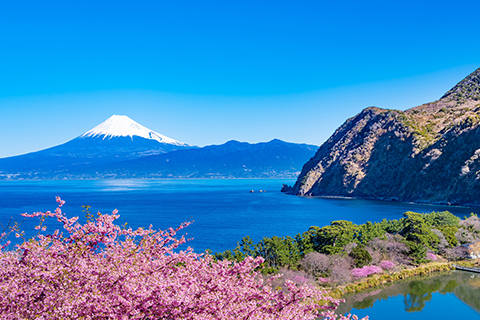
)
(100, 270)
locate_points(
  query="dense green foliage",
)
(404, 241)
(361, 257)
(417, 229)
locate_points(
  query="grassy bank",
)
(381, 279)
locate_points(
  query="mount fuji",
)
(122, 126)
(122, 148)
(118, 138)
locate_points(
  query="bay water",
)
(224, 211)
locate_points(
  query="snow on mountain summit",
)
(123, 126)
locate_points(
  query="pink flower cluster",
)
(431, 256)
(322, 280)
(387, 265)
(366, 271)
(102, 271)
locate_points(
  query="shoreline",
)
(425, 202)
(390, 278)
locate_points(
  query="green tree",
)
(333, 238)
(294, 255)
(360, 256)
(369, 231)
(392, 226)
(305, 241)
(225, 255)
(417, 252)
(246, 246)
(417, 230)
(448, 232)
(444, 218)
(278, 252)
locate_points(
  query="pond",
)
(442, 295)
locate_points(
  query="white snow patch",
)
(123, 126)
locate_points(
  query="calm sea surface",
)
(224, 211)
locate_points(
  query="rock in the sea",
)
(286, 189)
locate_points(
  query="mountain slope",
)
(230, 160)
(426, 154)
(122, 126)
(116, 139)
(467, 89)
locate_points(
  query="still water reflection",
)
(439, 296)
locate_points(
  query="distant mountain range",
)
(429, 153)
(230, 160)
(122, 148)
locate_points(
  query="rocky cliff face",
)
(430, 153)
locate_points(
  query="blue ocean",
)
(223, 210)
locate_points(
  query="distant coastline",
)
(424, 202)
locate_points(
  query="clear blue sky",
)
(205, 72)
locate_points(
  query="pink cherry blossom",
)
(366, 271)
(431, 256)
(387, 265)
(99, 270)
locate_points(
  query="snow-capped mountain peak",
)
(123, 126)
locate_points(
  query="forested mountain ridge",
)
(429, 153)
(232, 159)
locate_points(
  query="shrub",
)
(360, 256)
(465, 235)
(431, 256)
(295, 276)
(366, 271)
(340, 269)
(322, 280)
(444, 244)
(471, 223)
(316, 263)
(387, 265)
(457, 253)
(377, 257)
(392, 247)
(417, 252)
